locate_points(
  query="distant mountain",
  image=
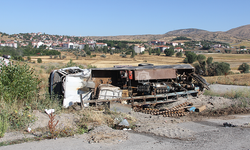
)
(235, 35)
(240, 32)
(187, 32)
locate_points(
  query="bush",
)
(104, 56)
(123, 55)
(219, 68)
(56, 56)
(169, 52)
(39, 60)
(88, 53)
(244, 68)
(179, 54)
(3, 124)
(190, 57)
(28, 58)
(128, 53)
(18, 84)
(63, 57)
(201, 57)
(84, 55)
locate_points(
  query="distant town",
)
(58, 42)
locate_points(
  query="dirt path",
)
(220, 88)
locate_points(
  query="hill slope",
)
(240, 32)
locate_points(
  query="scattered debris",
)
(200, 108)
(124, 123)
(49, 111)
(226, 124)
(180, 110)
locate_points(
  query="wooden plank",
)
(200, 108)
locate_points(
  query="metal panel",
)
(153, 74)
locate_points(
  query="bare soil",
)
(205, 129)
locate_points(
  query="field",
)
(234, 60)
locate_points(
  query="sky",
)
(120, 17)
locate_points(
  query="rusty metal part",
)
(173, 112)
(152, 74)
(200, 80)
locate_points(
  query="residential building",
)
(138, 49)
(101, 44)
(162, 47)
(178, 49)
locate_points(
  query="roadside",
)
(197, 130)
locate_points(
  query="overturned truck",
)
(144, 84)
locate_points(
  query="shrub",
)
(55, 57)
(244, 68)
(123, 55)
(18, 84)
(63, 57)
(91, 66)
(28, 58)
(179, 54)
(3, 124)
(84, 55)
(88, 53)
(201, 57)
(169, 52)
(128, 53)
(39, 60)
(190, 57)
(104, 56)
(219, 68)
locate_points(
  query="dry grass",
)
(236, 79)
(93, 117)
(111, 60)
(235, 60)
(244, 43)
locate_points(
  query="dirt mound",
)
(105, 134)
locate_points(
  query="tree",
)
(244, 68)
(201, 58)
(86, 47)
(190, 57)
(133, 54)
(242, 47)
(209, 60)
(39, 60)
(169, 52)
(149, 51)
(28, 58)
(88, 53)
(221, 68)
(179, 54)
(158, 52)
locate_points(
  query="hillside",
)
(240, 32)
(234, 36)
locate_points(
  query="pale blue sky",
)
(120, 17)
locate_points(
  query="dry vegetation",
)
(234, 60)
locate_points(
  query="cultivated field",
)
(233, 59)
